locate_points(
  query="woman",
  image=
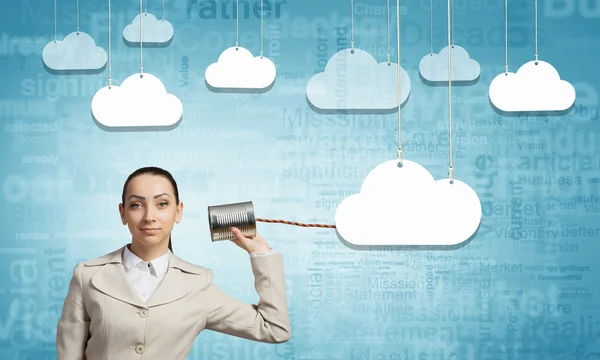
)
(143, 302)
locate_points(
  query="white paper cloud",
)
(139, 101)
(434, 67)
(355, 81)
(406, 206)
(153, 30)
(532, 88)
(78, 51)
(238, 68)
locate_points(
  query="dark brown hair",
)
(152, 170)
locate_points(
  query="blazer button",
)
(144, 313)
(139, 349)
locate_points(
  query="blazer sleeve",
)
(268, 321)
(73, 326)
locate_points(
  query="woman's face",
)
(150, 209)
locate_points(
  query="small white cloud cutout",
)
(355, 81)
(153, 30)
(139, 101)
(532, 88)
(434, 67)
(406, 206)
(237, 68)
(78, 51)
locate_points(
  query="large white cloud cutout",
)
(355, 81)
(138, 102)
(406, 206)
(532, 88)
(153, 30)
(78, 51)
(237, 68)
(434, 67)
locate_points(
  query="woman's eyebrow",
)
(143, 198)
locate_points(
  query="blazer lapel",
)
(112, 280)
(180, 280)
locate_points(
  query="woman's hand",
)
(251, 245)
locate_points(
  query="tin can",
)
(239, 215)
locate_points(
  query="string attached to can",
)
(295, 223)
(221, 218)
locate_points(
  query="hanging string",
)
(54, 20)
(77, 15)
(399, 93)
(452, 23)
(141, 66)
(430, 27)
(237, 22)
(451, 175)
(352, 22)
(146, 6)
(109, 78)
(536, 30)
(261, 29)
(163, 10)
(388, 31)
(506, 36)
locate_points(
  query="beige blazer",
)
(103, 318)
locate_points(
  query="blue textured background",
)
(514, 292)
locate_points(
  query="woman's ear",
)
(122, 214)
(179, 212)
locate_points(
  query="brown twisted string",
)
(296, 223)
